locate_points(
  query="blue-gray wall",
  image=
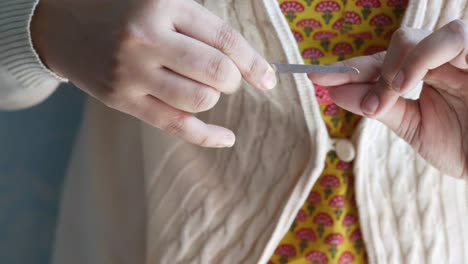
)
(35, 147)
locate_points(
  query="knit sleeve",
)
(24, 80)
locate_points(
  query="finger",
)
(197, 22)
(449, 44)
(181, 124)
(200, 62)
(403, 117)
(180, 92)
(369, 67)
(349, 96)
(382, 96)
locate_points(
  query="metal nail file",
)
(305, 68)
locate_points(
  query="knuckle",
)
(175, 125)
(113, 99)
(255, 67)
(402, 37)
(384, 82)
(204, 98)
(227, 39)
(203, 141)
(379, 57)
(459, 29)
(218, 68)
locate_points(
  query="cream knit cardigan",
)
(136, 195)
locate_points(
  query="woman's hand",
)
(158, 60)
(436, 124)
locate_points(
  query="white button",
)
(345, 150)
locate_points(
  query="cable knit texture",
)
(24, 80)
(137, 195)
(410, 213)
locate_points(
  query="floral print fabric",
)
(326, 229)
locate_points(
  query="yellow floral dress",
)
(326, 229)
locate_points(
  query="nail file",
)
(305, 68)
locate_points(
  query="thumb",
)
(403, 116)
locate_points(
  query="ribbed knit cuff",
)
(17, 54)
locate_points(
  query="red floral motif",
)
(349, 219)
(314, 198)
(381, 20)
(366, 6)
(309, 23)
(342, 165)
(352, 18)
(369, 3)
(338, 25)
(345, 166)
(306, 234)
(330, 181)
(317, 257)
(285, 251)
(374, 49)
(338, 201)
(291, 8)
(324, 37)
(327, 7)
(355, 235)
(361, 35)
(356, 238)
(301, 216)
(298, 36)
(346, 258)
(334, 239)
(341, 49)
(331, 110)
(322, 95)
(313, 54)
(323, 219)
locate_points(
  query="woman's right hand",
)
(158, 60)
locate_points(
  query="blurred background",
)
(35, 148)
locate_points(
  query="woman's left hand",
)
(436, 125)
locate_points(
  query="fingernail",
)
(398, 81)
(227, 140)
(269, 80)
(370, 104)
